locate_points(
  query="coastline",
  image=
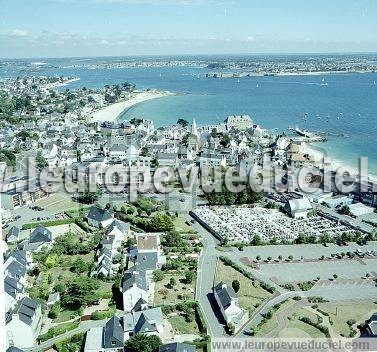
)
(112, 112)
(318, 156)
(57, 85)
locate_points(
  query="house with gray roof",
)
(134, 287)
(40, 237)
(110, 338)
(23, 323)
(13, 234)
(369, 328)
(176, 347)
(14, 291)
(141, 304)
(14, 349)
(16, 270)
(99, 218)
(227, 301)
(149, 321)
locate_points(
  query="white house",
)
(227, 300)
(98, 217)
(23, 323)
(134, 287)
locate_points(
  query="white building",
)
(298, 208)
(227, 300)
(23, 323)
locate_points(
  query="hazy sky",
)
(56, 28)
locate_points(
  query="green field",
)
(166, 295)
(58, 202)
(341, 313)
(250, 297)
(180, 326)
(285, 323)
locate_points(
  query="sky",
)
(66, 28)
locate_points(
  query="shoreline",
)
(57, 85)
(112, 112)
(318, 156)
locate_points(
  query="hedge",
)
(58, 330)
(48, 223)
(101, 315)
(83, 225)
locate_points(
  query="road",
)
(205, 280)
(352, 221)
(257, 317)
(84, 326)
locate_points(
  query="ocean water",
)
(344, 105)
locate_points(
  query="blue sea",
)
(344, 105)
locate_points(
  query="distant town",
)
(225, 67)
(141, 269)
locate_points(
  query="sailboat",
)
(324, 83)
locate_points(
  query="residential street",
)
(206, 275)
(84, 326)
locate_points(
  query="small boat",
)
(257, 85)
(374, 82)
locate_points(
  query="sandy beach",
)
(112, 112)
(317, 155)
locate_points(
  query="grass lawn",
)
(249, 296)
(166, 295)
(58, 202)
(285, 323)
(341, 313)
(180, 326)
(65, 316)
(181, 226)
(297, 329)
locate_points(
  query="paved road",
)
(206, 274)
(257, 317)
(352, 221)
(84, 326)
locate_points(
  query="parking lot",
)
(307, 251)
(305, 271)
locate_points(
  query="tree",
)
(161, 222)
(54, 311)
(158, 275)
(40, 161)
(79, 266)
(173, 239)
(80, 293)
(89, 197)
(189, 276)
(172, 282)
(335, 276)
(325, 238)
(236, 285)
(345, 210)
(256, 241)
(143, 343)
(184, 123)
